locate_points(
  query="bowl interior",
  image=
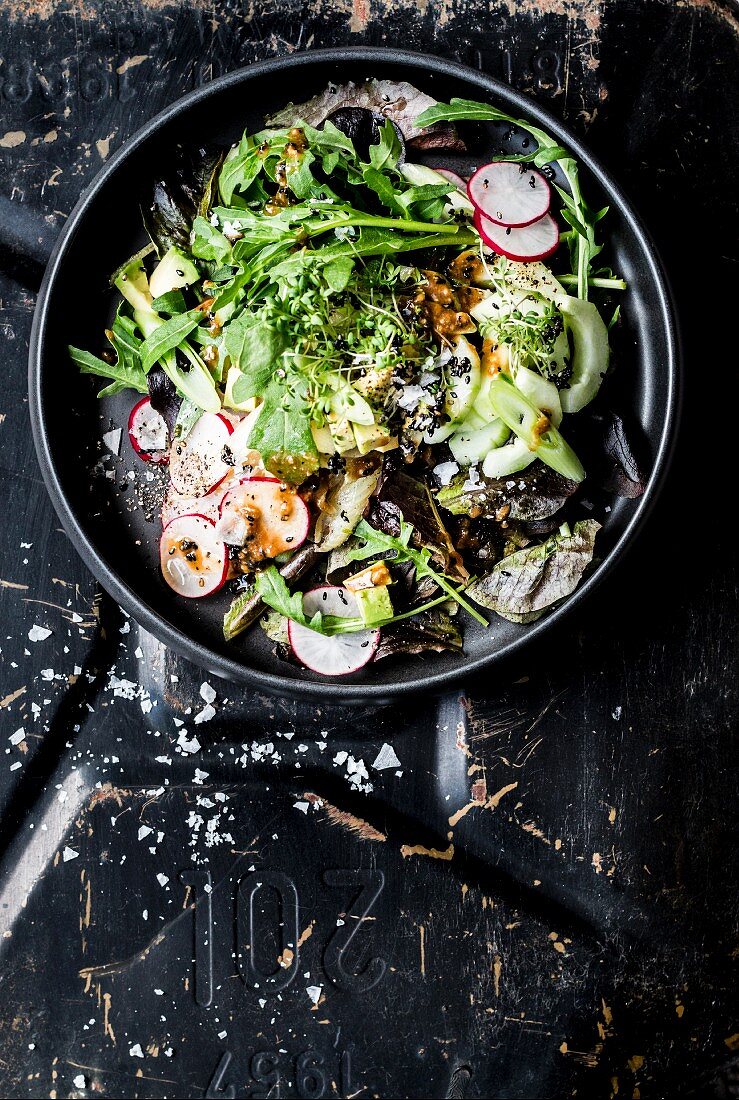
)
(111, 505)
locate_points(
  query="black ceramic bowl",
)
(119, 544)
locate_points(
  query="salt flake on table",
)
(386, 758)
(302, 806)
(39, 633)
(193, 745)
(207, 693)
(314, 992)
(69, 853)
(205, 714)
(136, 1051)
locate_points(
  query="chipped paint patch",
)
(408, 850)
(720, 11)
(103, 145)
(132, 63)
(353, 824)
(10, 699)
(359, 17)
(12, 139)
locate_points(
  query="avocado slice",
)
(375, 605)
(342, 434)
(370, 436)
(174, 271)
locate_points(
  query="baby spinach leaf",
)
(255, 347)
(338, 272)
(208, 243)
(170, 303)
(282, 432)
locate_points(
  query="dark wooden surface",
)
(544, 889)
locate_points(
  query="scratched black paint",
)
(616, 838)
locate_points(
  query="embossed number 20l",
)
(363, 887)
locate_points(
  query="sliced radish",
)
(193, 559)
(147, 430)
(265, 515)
(532, 242)
(454, 178)
(197, 462)
(509, 194)
(340, 654)
(177, 504)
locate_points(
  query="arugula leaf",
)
(377, 542)
(375, 242)
(126, 372)
(122, 377)
(270, 586)
(385, 190)
(240, 168)
(282, 432)
(329, 137)
(167, 336)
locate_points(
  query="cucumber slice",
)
(472, 445)
(132, 281)
(540, 392)
(590, 352)
(525, 420)
(509, 459)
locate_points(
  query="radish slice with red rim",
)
(531, 242)
(194, 561)
(454, 178)
(176, 504)
(265, 515)
(509, 194)
(340, 654)
(197, 463)
(147, 430)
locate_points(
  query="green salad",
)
(361, 341)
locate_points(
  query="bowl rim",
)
(340, 691)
